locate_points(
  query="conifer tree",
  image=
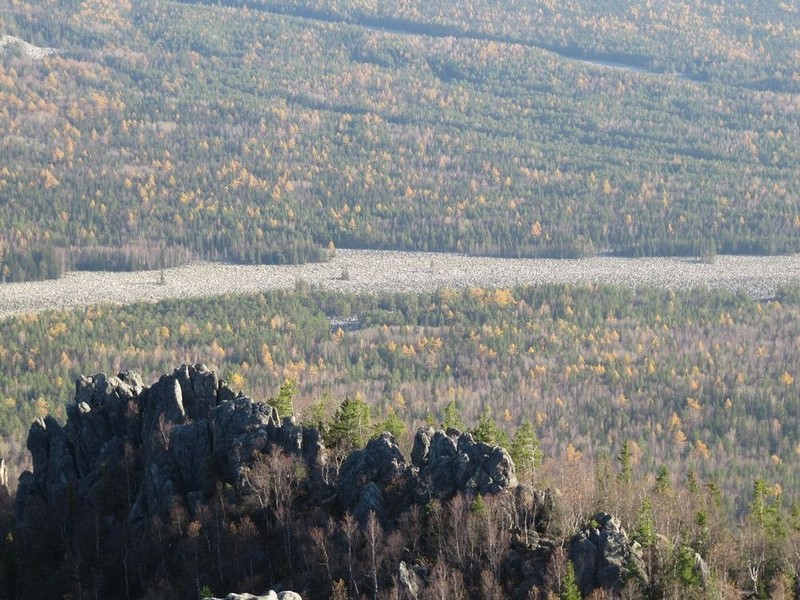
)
(393, 424)
(625, 459)
(351, 426)
(766, 513)
(569, 588)
(283, 403)
(452, 418)
(602, 480)
(645, 532)
(488, 431)
(663, 481)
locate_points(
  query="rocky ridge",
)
(174, 441)
(187, 433)
(379, 479)
(129, 454)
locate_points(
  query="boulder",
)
(422, 446)
(525, 567)
(534, 509)
(450, 462)
(240, 427)
(372, 478)
(190, 445)
(410, 581)
(603, 556)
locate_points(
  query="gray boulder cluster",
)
(379, 479)
(601, 553)
(451, 462)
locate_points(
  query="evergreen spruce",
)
(351, 426)
(569, 589)
(452, 417)
(488, 431)
(283, 403)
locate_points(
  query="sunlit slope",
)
(257, 134)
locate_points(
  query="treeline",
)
(704, 378)
(242, 135)
(34, 264)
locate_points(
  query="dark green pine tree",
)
(569, 588)
(645, 532)
(283, 403)
(452, 418)
(351, 426)
(625, 459)
(766, 511)
(393, 424)
(488, 431)
(663, 481)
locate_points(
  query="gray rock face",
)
(451, 462)
(603, 556)
(379, 479)
(129, 447)
(525, 567)
(534, 509)
(366, 476)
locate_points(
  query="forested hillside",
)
(278, 128)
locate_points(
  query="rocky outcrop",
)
(534, 510)
(450, 462)
(270, 595)
(525, 567)
(179, 463)
(379, 479)
(603, 555)
(374, 478)
(128, 448)
(139, 450)
(702, 569)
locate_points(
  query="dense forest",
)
(704, 378)
(276, 129)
